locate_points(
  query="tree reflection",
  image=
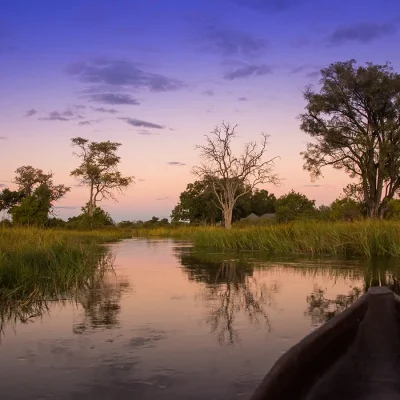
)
(99, 295)
(382, 272)
(230, 289)
(322, 309)
(374, 272)
(101, 303)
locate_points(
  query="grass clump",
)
(366, 238)
(38, 264)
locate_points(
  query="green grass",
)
(37, 265)
(365, 238)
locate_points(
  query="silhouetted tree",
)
(354, 121)
(99, 170)
(231, 286)
(292, 206)
(228, 173)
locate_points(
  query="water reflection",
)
(231, 286)
(101, 303)
(321, 309)
(28, 311)
(382, 272)
(187, 305)
(374, 272)
(98, 295)
(231, 289)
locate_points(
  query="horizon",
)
(158, 75)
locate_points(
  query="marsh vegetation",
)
(38, 266)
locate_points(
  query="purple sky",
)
(156, 75)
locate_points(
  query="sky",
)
(157, 75)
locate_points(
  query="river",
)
(174, 323)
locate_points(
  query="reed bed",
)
(366, 238)
(46, 264)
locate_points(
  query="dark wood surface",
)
(356, 355)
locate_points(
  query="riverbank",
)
(365, 238)
(40, 264)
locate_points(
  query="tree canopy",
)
(354, 121)
(346, 209)
(34, 198)
(98, 219)
(199, 204)
(34, 209)
(10, 198)
(293, 205)
(29, 178)
(99, 170)
(261, 202)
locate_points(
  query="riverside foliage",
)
(46, 264)
(365, 238)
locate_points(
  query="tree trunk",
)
(372, 211)
(383, 208)
(373, 208)
(228, 217)
(90, 205)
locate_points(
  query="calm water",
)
(173, 323)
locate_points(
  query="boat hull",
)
(355, 355)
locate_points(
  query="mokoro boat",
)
(355, 355)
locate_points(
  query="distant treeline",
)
(198, 205)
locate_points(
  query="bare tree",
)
(235, 293)
(229, 174)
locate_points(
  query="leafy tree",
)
(394, 209)
(29, 178)
(230, 174)
(34, 209)
(126, 224)
(98, 219)
(346, 208)
(154, 222)
(56, 223)
(10, 198)
(355, 123)
(197, 204)
(99, 170)
(292, 206)
(242, 207)
(324, 212)
(354, 191)
(261, 202)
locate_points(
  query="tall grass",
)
(38, 265)
(365, 238)
(178, 232)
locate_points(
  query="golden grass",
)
(39, 264)
(367, 238)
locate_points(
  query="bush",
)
(100, 219)
(293, 206)
(5, 223)
(346, 209)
